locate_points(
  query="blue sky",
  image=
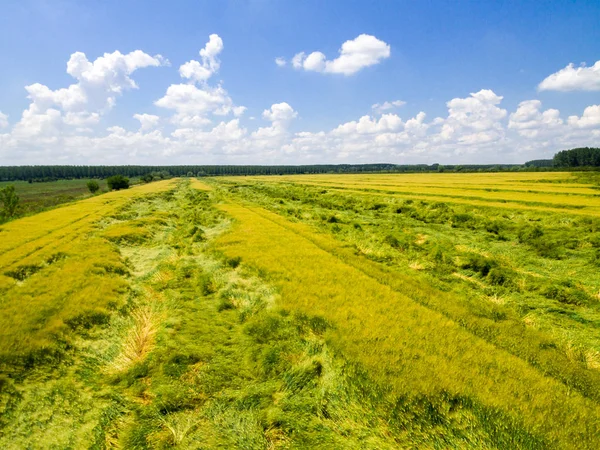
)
(475, 69)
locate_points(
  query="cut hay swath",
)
(412, 348)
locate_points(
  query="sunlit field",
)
(375, 311)
(38, 196)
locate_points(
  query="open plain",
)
(324, 311)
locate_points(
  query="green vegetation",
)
(578, 157)
(10, 201)
(39, 196)
(117, 182)
(582, 157)
(306, 312)
(93, 186)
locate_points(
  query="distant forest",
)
(47, 173)
(578, 157)
(575, 158)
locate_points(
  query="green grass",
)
(36, 197)
(245, 314)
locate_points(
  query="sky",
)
(288, 82)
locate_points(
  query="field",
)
(35, 197)
(370, 311)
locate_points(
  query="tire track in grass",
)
(413, 348)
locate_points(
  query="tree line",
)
(50, 173)
(578, 157)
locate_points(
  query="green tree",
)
(117, 182)
(10, 201)
(93, 186)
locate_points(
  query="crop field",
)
(372, 311)
(35, 197)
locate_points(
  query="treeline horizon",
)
(585, 158)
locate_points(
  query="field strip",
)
(587, 193)
(566, 189)
(530, 200)
(197, 184)
(508, 204)
(385, 330)
(34, 233)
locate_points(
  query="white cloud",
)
(589, 119)
(191, 102)
(368, 125)
(3, 120)
(529, 121)
(475, 119)
(573, 79)
(80, 105)
(280, 115)
(386, 106)
(238, 110)
(298, 60)
(189, 99)
(354, 55)
(315, 62)
(202, 71)
(280, 61)
(147, 121)
(202, 124)
(111, 71)
(183, 120)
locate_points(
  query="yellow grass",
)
(536, 191)
(57, 272)
(410, 347)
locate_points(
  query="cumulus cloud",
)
(573, 78)
(589, 119)
(475, 119)
(202, 71)
(189, 99)
(147, 121)
(192, 102)
(368, 125)
(280, 61)
(202, 124)
(530, 121)
(3, 120)
(280, 115)
(354, 55)
(386, 106)
(80, 105)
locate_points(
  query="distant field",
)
(540, 191)
(330, 311)
(35, 197)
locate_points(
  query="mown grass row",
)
(500, 190)
(495, 275)
(57, 275)
(418, 351)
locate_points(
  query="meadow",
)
(38, 196)
(307, 311)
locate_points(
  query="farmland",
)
(35, 197)
(307, 311)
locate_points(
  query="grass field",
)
(330, 311)
(35, 197)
